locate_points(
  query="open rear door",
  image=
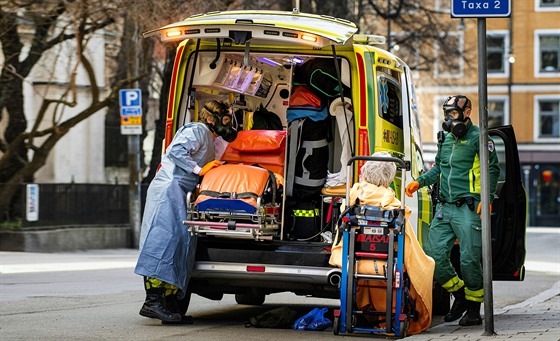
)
(260, 27)
(509, 216)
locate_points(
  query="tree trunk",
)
(160, 122)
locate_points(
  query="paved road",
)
(94, 295)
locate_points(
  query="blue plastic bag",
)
(314, 320)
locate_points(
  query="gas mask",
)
(454, 121)
(225, 124)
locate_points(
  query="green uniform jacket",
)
(457, 166)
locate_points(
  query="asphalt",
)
(537, 318)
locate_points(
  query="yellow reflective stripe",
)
(476, 295)
(474, 178)
(306, 213)
(156, 283)
(453, 284)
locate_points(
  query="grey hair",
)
(379, 173)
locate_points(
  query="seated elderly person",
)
(374, 189)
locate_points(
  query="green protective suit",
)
(457, 167)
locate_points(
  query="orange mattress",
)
(267, 148)
(230, 178)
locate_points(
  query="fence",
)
(72, 204)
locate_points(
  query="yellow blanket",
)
(419, 266)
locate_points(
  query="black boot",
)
(180, 306)
(460, 305)
(154, 307)
(472, 317)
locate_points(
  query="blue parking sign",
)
(480, 8)
(130, 98)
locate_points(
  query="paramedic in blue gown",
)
(167, 250)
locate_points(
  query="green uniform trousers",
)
(463, 224)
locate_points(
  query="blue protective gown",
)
(167, 249)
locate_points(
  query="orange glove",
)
(209, 166)
(412, 187)
(480, 209)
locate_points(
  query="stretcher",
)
(241, 199)
(374, 235)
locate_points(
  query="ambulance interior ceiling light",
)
(294, 60)
(268, 61)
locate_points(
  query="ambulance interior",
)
(249, 83)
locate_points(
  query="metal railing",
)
(72, 204)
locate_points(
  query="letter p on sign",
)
(130, 98)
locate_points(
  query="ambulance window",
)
(389, 99)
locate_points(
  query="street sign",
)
(131, 112)
(130, 101)
(32, 202)
(130, 98)
(480, 8)
(131, 120)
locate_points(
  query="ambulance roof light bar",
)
(369, 39)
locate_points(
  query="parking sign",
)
(130, 98)
(130, 101)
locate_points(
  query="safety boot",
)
(472, 317)
(180, 306)
(154, 307)
(459, 306)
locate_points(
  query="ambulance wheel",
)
(336, 325)
(250, 298)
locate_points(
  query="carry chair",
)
(370, 233)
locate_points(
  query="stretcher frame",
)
(240, 220)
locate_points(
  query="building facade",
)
(523, 61)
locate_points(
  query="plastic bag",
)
(314, 320)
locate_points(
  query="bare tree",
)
(48, 23)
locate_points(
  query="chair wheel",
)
(336, 325)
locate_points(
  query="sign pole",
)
(134, 162)
(482, 9)
(484, 179)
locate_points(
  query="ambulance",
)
(308, 93)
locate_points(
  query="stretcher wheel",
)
(336, 325)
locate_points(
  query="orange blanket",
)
(419, 266)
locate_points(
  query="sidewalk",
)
(537, 318)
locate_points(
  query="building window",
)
(547, 125)
(449, 65)
(547, 5)
(547, 53)
(497, 109)
(497, 47)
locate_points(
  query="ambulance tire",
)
(441, 300)
(250, 298)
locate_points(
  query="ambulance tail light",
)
(254, 268)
